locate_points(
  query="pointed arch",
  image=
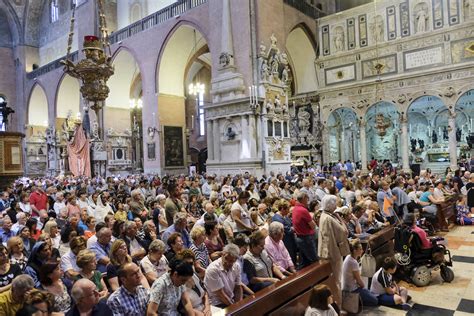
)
(37, 113)
(68, 97)
(302, 55)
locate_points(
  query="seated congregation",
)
(149, 245)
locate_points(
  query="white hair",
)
(275, 228)
(329, 203)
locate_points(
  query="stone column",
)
(210, 142)
(452, 147)
(404, 143)
(342, 145)
(363, 146)
(252, 136)
(326, 148)
(217, 139)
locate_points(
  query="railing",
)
(154, 19)
(306, 8)
(50, 66)
(148, 22)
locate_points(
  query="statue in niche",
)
(378, 29)
(285, 75)
(230, 134)
(275, 64)
(434, 137)
(277, 104)
(468, 9)
(264, 71)
(445, 133)
(263, 49)
(458, 134)
(421, 20)
(304, 122)
(270, 106)
(273, 40)
(338, 39)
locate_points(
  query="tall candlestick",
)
(192, 121)
(250, 95)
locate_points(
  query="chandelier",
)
(96, 68)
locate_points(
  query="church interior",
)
(188, 89)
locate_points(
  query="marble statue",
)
(304, 122)
(270, 106)
(264, 71)
(285, 74)
(421, 19)
(458, 134)
(275, 64)
(263, 49)
(421, 143)
(445, 133)
(339, 39)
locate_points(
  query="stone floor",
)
(440, 298)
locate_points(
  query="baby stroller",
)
(416, 263)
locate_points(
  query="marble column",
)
(363, 146)
(217, 139)
(326, 146)
(227, 45)
(452, 147)
(210, 142)
(342, 145)
(404, 143)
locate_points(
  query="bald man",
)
(86, 300)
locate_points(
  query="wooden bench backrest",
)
(291, 294)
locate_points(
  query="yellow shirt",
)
(7, 306)
(121, 216)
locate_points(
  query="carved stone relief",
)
(421, 17)
(377, 29)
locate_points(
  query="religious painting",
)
(173, 144)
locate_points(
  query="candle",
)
(255, 94)
(192, 121)
(410, 130)
(250, 94)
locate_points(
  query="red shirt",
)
(301, 219)
(39, 200)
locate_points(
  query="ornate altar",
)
(275, 81)
(119, 152)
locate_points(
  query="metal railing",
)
(154, 19)
(50, 66)
(306, 8)
(148, 22)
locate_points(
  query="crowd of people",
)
(172, 245)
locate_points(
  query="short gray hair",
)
(23, 283)
(180, 217)
(77, 291)
(232, 250)
(301, 196)
(329, 203)
(128, 224)
(275, 228)
(157, 245)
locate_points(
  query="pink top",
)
(278, 253)
(425, 243)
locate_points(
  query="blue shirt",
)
(101, 252)
(425, 197)
(122, 302)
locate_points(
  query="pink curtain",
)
(79, 154)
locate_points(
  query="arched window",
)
(54, 11)
(2, 125)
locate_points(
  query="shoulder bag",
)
(368, 263)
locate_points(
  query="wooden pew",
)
(381, 244)
(286, 297)
(447, 211)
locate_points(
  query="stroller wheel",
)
(421, 276)
(447, 274)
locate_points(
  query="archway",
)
(68, 99)
(302, 55)
(464, 120)
(344, 141)
(428, 130)
(123, 114)
(184, 82)
(382, 132)
(38, 118)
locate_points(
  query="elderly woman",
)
(51, 227)
(289, 238)
(87, 262)
(154, 264)
(159, 215)
(8, 270)
(350, 220)
(213, 241)
(199, 248)
(241, 216)
(276, 249)
(175, 244)
(332, 240)
(17, 252)
(258, 265)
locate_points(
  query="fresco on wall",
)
(383, 132)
